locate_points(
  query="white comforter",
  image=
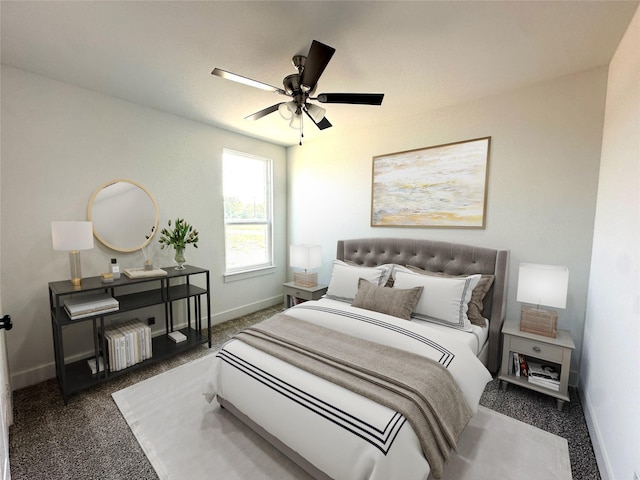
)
(343, 434)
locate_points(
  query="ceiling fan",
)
(301, 87)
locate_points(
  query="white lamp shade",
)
(287, 110)
(543, 285)
(305, 256)
(296, 121)
(316, 112)
(72, 236)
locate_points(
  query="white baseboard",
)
(33, 376)
(222, 317)
(602, 458)
(47, 371)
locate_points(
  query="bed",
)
(305, 379)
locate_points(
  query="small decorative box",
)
(106, 278)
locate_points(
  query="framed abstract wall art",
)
(443, 186)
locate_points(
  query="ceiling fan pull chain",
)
(301, 131)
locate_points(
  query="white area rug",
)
(185, 437)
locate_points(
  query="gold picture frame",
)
(444, 186)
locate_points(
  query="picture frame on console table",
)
(442, 186)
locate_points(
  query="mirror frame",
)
(106, 243)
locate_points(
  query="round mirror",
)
(124, 214)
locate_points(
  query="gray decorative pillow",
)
(392, 301)
(474, 313)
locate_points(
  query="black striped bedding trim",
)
(381, 438)
(446, 356)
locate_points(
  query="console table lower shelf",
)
(78, 374)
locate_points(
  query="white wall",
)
(543, 174)
(610, 373)
(59, 143)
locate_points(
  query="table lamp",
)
(72, 237)
(305, 257)
(541, 285)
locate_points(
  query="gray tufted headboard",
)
(450, 258)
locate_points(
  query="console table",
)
(132, 294)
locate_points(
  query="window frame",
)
(247, 271)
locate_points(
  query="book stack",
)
(144, 273)
(544, 376)
(128, 343)
(536, 373)
(519, 365)
(87, 305)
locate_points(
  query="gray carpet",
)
(89, 438)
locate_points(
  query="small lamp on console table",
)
(305, 257)
(541, 285)
(73, 237)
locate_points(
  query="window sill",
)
(243, 275)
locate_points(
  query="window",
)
(247, 191)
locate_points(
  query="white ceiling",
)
(421, 55)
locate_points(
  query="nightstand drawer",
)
(536, 349)
(298, 293)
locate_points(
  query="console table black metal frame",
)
(131, 294)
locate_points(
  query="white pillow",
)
(344, 279)
(444, 300)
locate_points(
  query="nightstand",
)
(553, 352)
(293, 292)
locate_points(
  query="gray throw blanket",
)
(417, 387)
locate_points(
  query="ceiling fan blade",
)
(264, 112)
(322, 124)
(246, 81)
(317, 60)
(353, 98)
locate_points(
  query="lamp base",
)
(539, 321)
(74, 267)
(305, 279)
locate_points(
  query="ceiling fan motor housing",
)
(299, 62)
(292, 84)
(293, 88)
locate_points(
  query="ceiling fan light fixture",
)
(287, 109)
(296, 121)
(316, 112)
